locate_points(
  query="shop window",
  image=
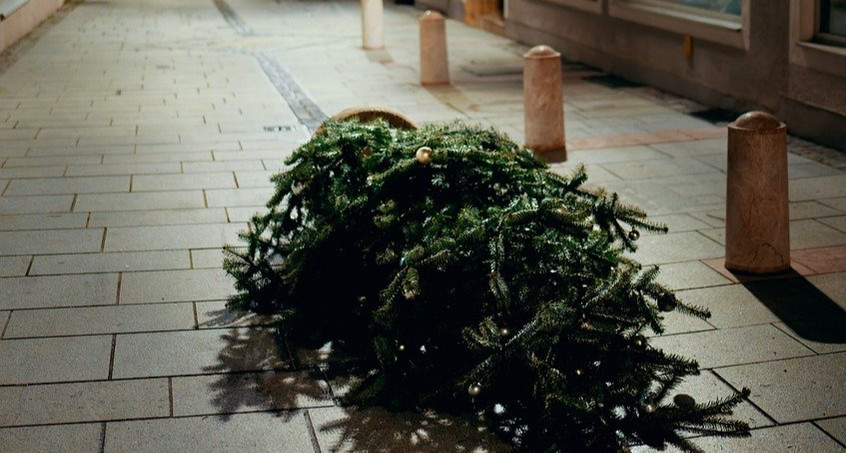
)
(831, 22)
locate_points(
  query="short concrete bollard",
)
(372, 28)
(543, 118)
(757, 217)
(434, 60)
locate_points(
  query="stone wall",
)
(25, 19)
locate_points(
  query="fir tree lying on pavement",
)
(468, 277)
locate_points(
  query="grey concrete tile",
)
(84, 263)
(726, 347)
(676, 323)
(183, 181)
(347, 430)
(836, 203)
(210, 351)
(172, 237)
(207, 258)
(79, 438)
(54, 360)
(836, 427)
(708, 387)
(215, 314)
(818, 188)
(14, 266)
(56, 186)
(140, 201)
(807, 234)
(35, 204)
(692, 274)
(798, 438)
(50, 241)
(238, 197)
(835, 222)
(219, 166)
(84, 402)
(42, 221)
(32, 172)
(52, 161)
(241, 432)
(58, 291)
(730, 306)
(810, 209)
(248, 392)
(157, 217)
(50, 151)
(244, 213)
(100, 320)
(830, 338)
(254, 178)
(187, 147)
(680, 222)
(651, 169)
(794, 389)
(832, 286)
(693, 147)
(174, 286)
(146, 158)
(676, 247)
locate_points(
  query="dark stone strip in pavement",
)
(304, 108)
(232, 18)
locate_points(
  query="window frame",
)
(805, 49)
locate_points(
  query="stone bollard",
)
(757, 218)
(372, 31)
(543, 117)
(434, 61)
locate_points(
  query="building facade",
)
(787, 57)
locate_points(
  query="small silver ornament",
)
(579, 372)
(504, 332)
(634, 235)
(424, 155)
(401, 347)
(474, 389)
(648, 408)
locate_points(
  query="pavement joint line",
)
(170, 395)
(102, 446)
(112, 357)
(747, 399)
(196, 318)
(265, 326)
(792, 336)
(758, 362)
(814, 422)
(311, 431)
(6, 324)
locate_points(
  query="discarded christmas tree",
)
(468, 277)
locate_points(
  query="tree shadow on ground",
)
(809, 312)
(254, 372)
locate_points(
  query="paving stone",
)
(14, 266)
(798, 438)
(85, 263)
(177, 285)
(680, 222)
(52, 161)
(244, 213)
(32, 172)
(726, 347)
(832, 286)
(183, 181)
(157, 217)
(42, 221)
(242, 432)
(219, 166)
(829, 336)
(255, 178)
(836, 203)
(207, 258)
(211, 351)
(347, 430)
(147, 158)
(35, 204)
(100, 320)
(806, 234)
(54, 360)
(820, 394)
(79, 438)
(730, 306)
(139, 201)
(238, 197)
(676, 247)
(836, 427)
(692, 274)
(818, 188)
(84, 402)
(215, 314)
(172, 237)
(651, 169)
(810, 209)
(248, 392)
(58, 291)
(838, 222)
(50, 241)
(68, 185)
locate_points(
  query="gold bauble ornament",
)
(424, 155)
(474, 389)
